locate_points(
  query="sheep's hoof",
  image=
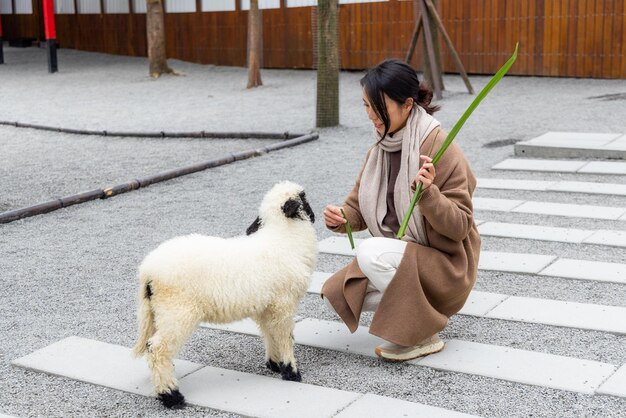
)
(272, 365)
(287, 373)
(172, 400)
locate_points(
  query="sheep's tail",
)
(145, 318)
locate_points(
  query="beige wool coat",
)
(432, 282)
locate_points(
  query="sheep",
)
(262, 275)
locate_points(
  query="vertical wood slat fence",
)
(572, 38)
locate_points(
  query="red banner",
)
(48, 18)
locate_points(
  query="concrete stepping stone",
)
(570, 144)
(522, 366)
(566, 209)
(549, 208)
(614, 189)
(227, 390)
(589, 188)
(499, 362)
(11, 416)
(498, 205)
(615, 385)
(479, 303)
(562, 314)
(529, 164)
(262, 396)
(562, 166)
(489, 260)
(586, 270)
(609, 238)
(375, 406)
(98, 363)
(532, 310)
(604, 167)
(512, 184)
(537, 232)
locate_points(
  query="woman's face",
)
(398, 114)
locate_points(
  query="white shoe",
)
(395, 352)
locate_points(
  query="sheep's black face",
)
(298, 207)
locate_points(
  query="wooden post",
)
(255, 44)
(455, 56)
(416, 34)
(430, 50)
(327, 103)
(436, 45)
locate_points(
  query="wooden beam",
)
(455, 56)
(430, 50)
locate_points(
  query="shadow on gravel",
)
(501, 143)
(609, 97)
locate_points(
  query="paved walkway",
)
(72, 272)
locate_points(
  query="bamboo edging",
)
(105, 193)
(455, 130)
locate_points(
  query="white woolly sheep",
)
(195, 278)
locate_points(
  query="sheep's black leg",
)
(287, 373)
(172, 400)
(273, 366)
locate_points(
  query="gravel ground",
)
(84, 284)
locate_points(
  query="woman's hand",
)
(427, 173)
(333, 216)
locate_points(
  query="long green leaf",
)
(457, 127)
(348, 229)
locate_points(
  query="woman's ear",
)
(409, 103)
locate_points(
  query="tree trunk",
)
(155, 29)
(327, 110)
(255, 44)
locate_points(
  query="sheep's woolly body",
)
(197, 278)
(230, 279)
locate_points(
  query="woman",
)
(413, 285)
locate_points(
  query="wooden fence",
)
(573, 38)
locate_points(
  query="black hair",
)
(399, 81)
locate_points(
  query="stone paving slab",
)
(489, 260)
(512, 184)
(523, 309)
(529, 164)
(375, 406)
(227, 390)
(514, 262)
(536, 232)
(589, 187)
(549, 208)
(498, 205)
(562, 314)
(605, 237)
(604, 167)
(98, 363)
(567, 209)
(262, 396)
(615, 189)
(522, 366)
(615, 385)
(562, 166)
(586, 270)
(571, 144)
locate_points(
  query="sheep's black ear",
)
(254, 227)
(291, 208)
(307, 207)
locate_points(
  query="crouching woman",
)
(413, 285)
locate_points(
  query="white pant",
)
(378, 259)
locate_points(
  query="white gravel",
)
(72, 272)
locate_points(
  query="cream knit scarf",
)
(375, 177)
